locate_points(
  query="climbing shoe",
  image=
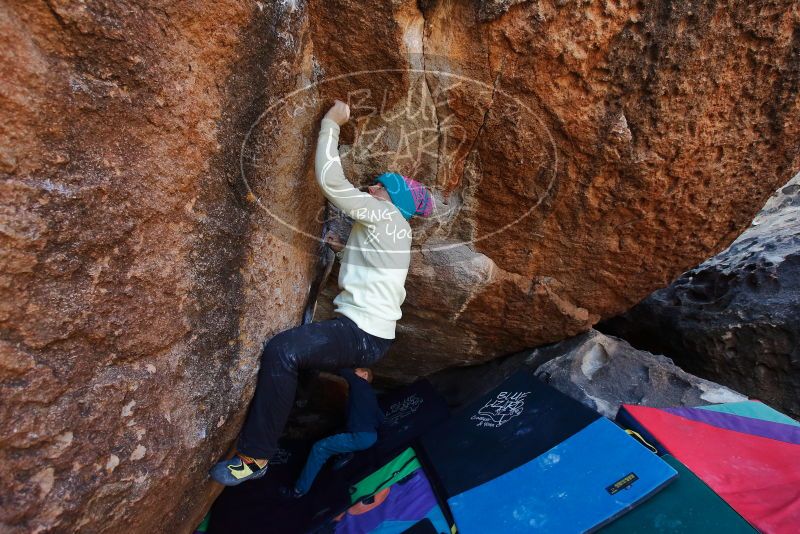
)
(290, 493)
(236, 470)
(342, 460)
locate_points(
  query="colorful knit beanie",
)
(410, 197)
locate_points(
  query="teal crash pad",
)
(685, 506)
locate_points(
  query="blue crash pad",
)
(577, 486)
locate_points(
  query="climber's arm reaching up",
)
(362, 207)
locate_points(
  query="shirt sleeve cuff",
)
(329, 123)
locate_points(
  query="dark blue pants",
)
(325, 448)
(327, 346)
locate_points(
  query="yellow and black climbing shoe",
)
(237, 470)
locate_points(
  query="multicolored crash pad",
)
(587, 480)
(500, 431)
(748, 453)
(398, 468)
(685, 506)
(525, 456)
(394, 499)
(410, 412)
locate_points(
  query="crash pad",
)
(686, 506)
(578, 485)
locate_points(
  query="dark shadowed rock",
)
(735, 318)
(459, 385)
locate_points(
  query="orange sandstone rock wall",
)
(159, 208)
(138, 282)
(582, 154)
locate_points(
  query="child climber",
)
(364, 416)
(372, 279)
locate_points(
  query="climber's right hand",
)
(339, 112)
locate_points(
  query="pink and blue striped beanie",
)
(410, 196)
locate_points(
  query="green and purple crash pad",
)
(395, 498)
(398, 468)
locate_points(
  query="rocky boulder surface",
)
(159, 214)
(582, 155)
(605, 372)
(735, 318)
(602, 372)
(137, 281)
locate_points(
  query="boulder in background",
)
(735, 318)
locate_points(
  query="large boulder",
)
(159, 211)
(582, 155)
(602, 372)
(735, 318)
(605, 372)
(137, 282)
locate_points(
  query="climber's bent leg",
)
(325, 448)
(325, 345)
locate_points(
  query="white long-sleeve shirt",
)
(375, 262)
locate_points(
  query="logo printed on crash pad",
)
(402, 409)
(623, 483)
(501, 409)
